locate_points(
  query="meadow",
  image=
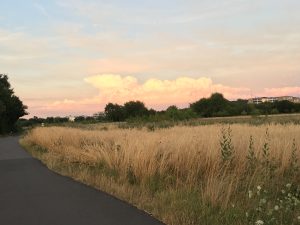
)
(184, 175)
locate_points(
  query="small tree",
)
(173, 112)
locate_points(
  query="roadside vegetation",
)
(184, 175)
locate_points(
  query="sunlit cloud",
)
(155, 93)
(158, 92)
(64, 107)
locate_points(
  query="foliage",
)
(252, 159)
(11, 107)
(268, 209)
(135, 109)
(294, 161)
(216, 105)
(114, 112)
(226, 145)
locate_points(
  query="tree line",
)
(12, 108)
(214, 106)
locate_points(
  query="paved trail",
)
(30, 194)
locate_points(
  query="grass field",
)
(184, 175)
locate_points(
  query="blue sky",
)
(56, 48)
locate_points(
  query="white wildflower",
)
(263, 201)
(283, 191)
(259, 222)
(276, 207)
(250, 194)
(258, 187)
(288, 185)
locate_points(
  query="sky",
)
(72, 57)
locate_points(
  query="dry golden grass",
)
(152, 169)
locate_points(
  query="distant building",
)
(71, 118)
(259, 100)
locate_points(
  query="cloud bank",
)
(155, 93)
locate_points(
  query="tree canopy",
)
(131, 109)
(135, 109)
(216, 105)
(11, 107)
(114, 112)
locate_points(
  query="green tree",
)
(173, 112)
(216, 105)
(135, 109)
(11, 107)
(285, 106)
(114, 112)
(239, 107)
(265, 107)
(2, 107)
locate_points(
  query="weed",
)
(132, 179)
(251, 157)
(226, 144)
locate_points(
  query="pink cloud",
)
(283, 91)
(155, 93)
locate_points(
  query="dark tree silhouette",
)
(11, 107)
(135, 109)
(114, 112)
(216, 105)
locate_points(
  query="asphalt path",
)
(31, 194)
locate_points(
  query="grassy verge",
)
(184, 175)
(251, 120)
